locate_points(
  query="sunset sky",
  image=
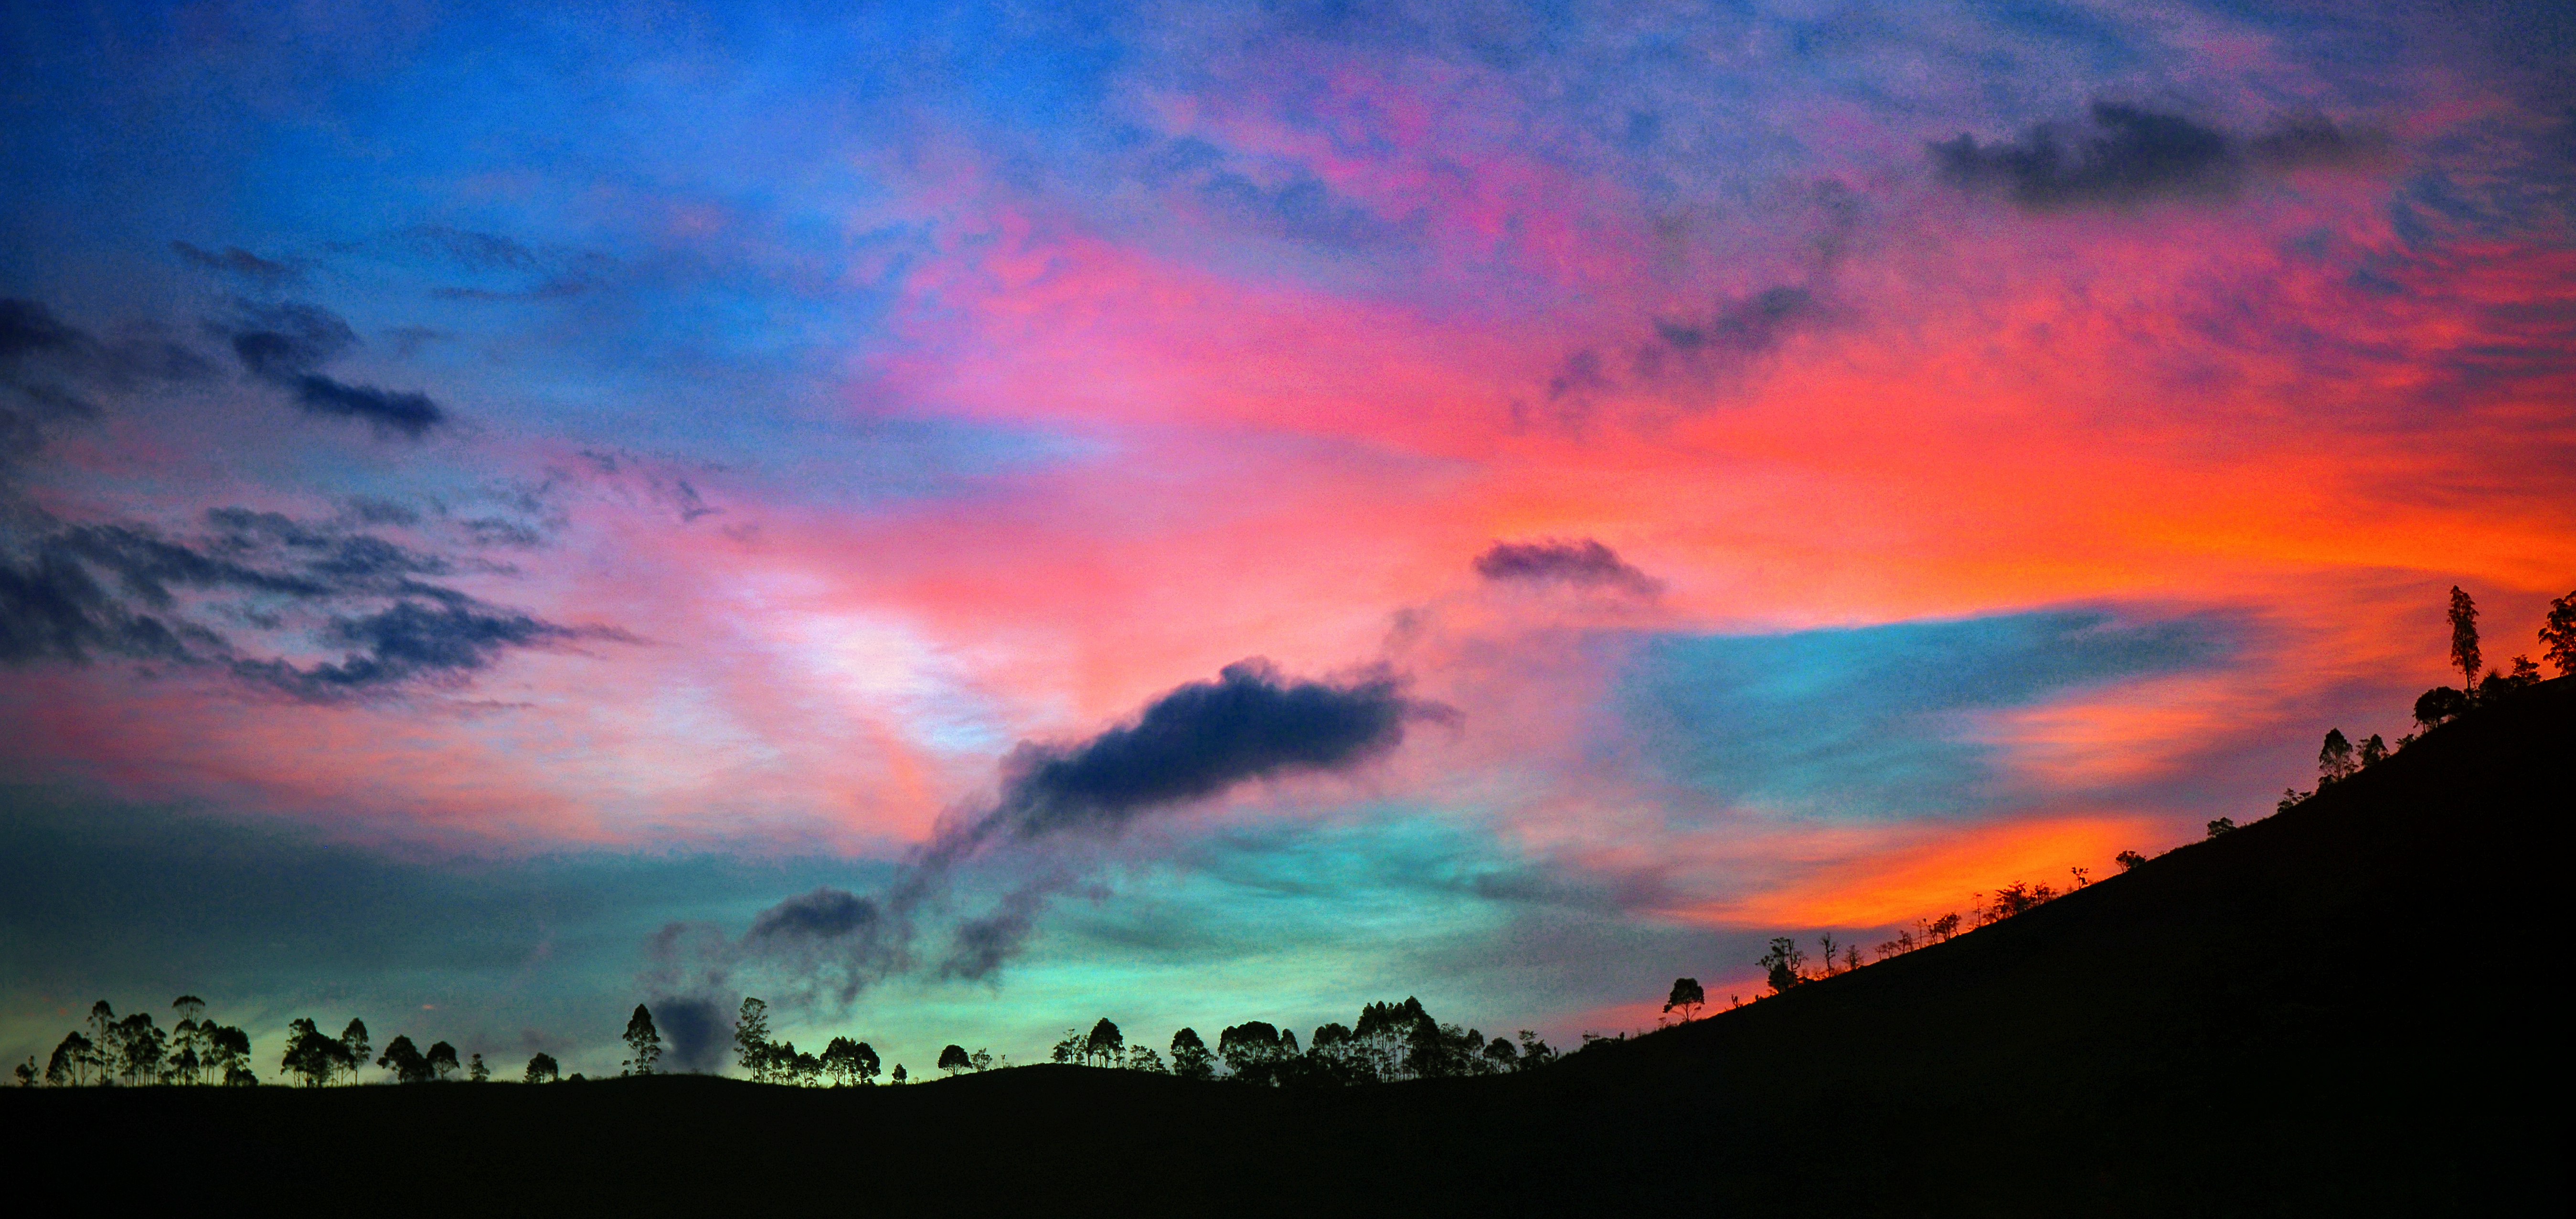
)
(965, 520)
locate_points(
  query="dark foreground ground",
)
(2345, 1009)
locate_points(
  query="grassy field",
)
(2342, 1009)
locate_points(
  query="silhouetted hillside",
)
(2340, 1009)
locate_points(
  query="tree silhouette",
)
(354, 1040)
(135, 1049)
(1781, 965)
(312, 1054)
(953, 1059)
(542, 1069)
(2439, 705)
(751, 1039)
(1686, 996)
(1190, 1057)
(2373, 751)
(1249, 1049)
(2128, 860)
(1104, 1044)
(2221, 826)
(2464, 636)
(982, 1059)
(849, 1062)
(2558, 635)
(476, 1072)
(26, 1072)
(2334, 758)
(228, 1051)
(898, 1075)
(643, 1043)
(70, 1064)
(405, 1061)
(1500, 1055)
(441, 1060)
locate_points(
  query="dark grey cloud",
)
(241, 264)
(35, 343)
(695, 1033)
(285, 344)
(2131, 155)
(1582, 563)
(250, 590)
(27, 326)
(1193, 743)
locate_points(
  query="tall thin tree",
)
(2464, 639)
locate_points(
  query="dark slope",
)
(2336, 1010)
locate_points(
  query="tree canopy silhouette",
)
(643, 1042)
(2464, 637)
(1686, 998)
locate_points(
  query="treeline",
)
(1786, 964)
(134, 1051)
(1389, 1042)
(843, 1062)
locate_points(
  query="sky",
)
(961, 520)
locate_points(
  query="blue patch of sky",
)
(1870, 721)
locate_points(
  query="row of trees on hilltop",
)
(1786, 964)
(1389, 1042)
(844, 1062)
(132, 1050)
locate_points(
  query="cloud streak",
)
(1582, 563)
(288, 343)
(2132, 155)
(247, 596)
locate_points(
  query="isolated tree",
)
(354, 1040)
(2334, 758)
(751, 1038)
(982, 1059)
(404, 1060)
(542, 1069)
(1190, 1057)
(2464, 637)
(2128, 860)
(2558, 635)
(441, 1061)
(898, 1075)
(954, 1059)
(1686, 996)
(2373, 751)
(2221, 826)
(1782, 964)
(26, 1072)
(476, 1072)
(643, 1043)
(1104, 1044)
